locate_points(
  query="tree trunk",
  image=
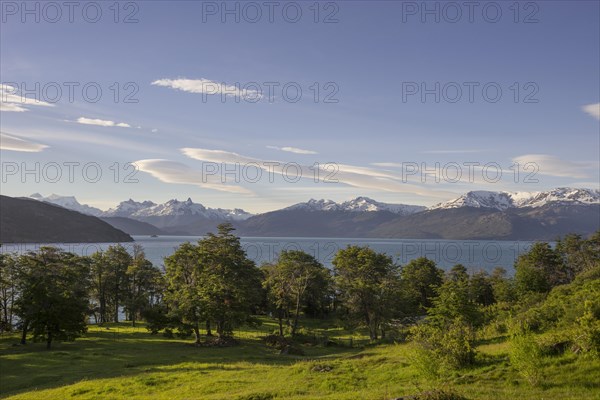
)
(382, 333)
(220, 328)
(280, 318)
(49, 340)
(208, 330)
(373, 333)
(24, 332)
(102, 309)
(117, 287)
(196, 334)
(5, 317)
(296, 314)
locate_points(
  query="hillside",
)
(132, 226)
(470, 223)
(31, 221)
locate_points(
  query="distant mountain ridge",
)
(68, 202)
(505, 200)
(359, 204)
(476, 214)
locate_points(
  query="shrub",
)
(555, 343)
(425, 362)
(526, 356)
(449, 345)
(588, 331)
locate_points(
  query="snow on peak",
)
(315, 205)
(127, 208)
(479, 199)
(68, 202)
(362, 204)
(504, 200)
(171, 207)
(359, 204)
(174, 208)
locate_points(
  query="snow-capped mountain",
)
(505, 200)
(68, 202)
(175, 207)
(475, 215)
(316, 205)
(560, 195)
(367, 204)
(179, 217)
(479, 199)
(359, 204)
(128, 208)
(141, 210)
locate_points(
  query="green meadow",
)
(120, 362)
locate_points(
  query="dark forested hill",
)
(31, 221)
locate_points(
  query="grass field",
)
(130, 363)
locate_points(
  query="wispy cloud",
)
(457, 151)
(101, 122)
(295, 150)
(12, 101)
(330, 173)
(553, 166)
(174, 172)
(13, 143)
(593, 110)
(206, 86)
(387, 164)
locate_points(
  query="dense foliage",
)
(551, 305)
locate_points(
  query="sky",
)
(260, 105)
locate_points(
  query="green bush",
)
(425, 362)
(555, 343)
(588, 330)
(449, 344)
(526, 356)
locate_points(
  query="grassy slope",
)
(126, 363)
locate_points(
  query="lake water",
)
(473, 254)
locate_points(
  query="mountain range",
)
(473, 215)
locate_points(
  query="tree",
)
(458, 273)
(540, 269)
(142, 284)
(183, 277)
(368, 284)
(230, 285)
(212, 281)
(503, 287)
(54, 294)
(117, 261)
(455, 302)
(8, 291)
(578, 254)
(421, 278)
(99, 286)
(278, 296)
(481, 289)
(291, 280)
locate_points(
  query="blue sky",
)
(178, 58)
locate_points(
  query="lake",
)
(473, 254)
